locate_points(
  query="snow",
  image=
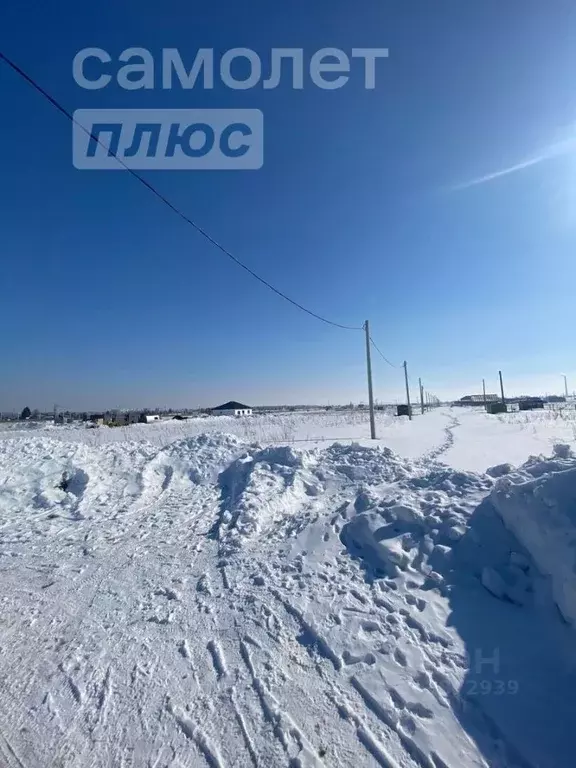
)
(482, 440)
(249, 592)
(541, 512)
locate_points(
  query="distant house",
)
(477, 399)
(97, 418)
(232, 409)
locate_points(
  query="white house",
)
(232, 409)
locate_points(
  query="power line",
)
(381, 355)
(166, 202)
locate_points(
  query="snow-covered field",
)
(465, 438)
(252, 593)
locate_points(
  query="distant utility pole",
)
(502, 387)
(484, 391)
(407, 390)
(370, 390)
(421, 395)
(565, 385)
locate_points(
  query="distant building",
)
(403, 410)
(232, 408)
(124, 418)
(496, 406)
(477, 399)
(148, 418)
(530, 403)
(97, 418)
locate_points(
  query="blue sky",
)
(364, 208)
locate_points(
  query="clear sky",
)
(441, 206)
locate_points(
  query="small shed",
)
(498, 407)
(531, 404)
(232, 408)
(403, 410)
(148, 418)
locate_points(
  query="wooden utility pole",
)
(565, 386)
(421, 395)
(370, 390)
(502, 387)
(484, 391)
(407, 390)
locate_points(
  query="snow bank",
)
(50, 477)
(538, 504)
(197, 459)
(262, 487)
(416, 522)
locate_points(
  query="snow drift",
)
(538, 504)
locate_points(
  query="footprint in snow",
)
(400, 657)
(418, 602)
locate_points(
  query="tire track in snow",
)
(8, 750)
(391, 718)
(311, 636)
(85, 698)
(208, 750)
(127, 546)
(105, 695)
(244, 729)
(319, 650)
(284, 727)
(364, 734)
(394, 721)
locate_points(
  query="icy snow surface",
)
(214, 593)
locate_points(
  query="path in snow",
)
(483, 440)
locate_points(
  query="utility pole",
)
(407, 390)
(484, 391)
(421, 395)
(370, 390)
(565, 386)
(502, 387)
